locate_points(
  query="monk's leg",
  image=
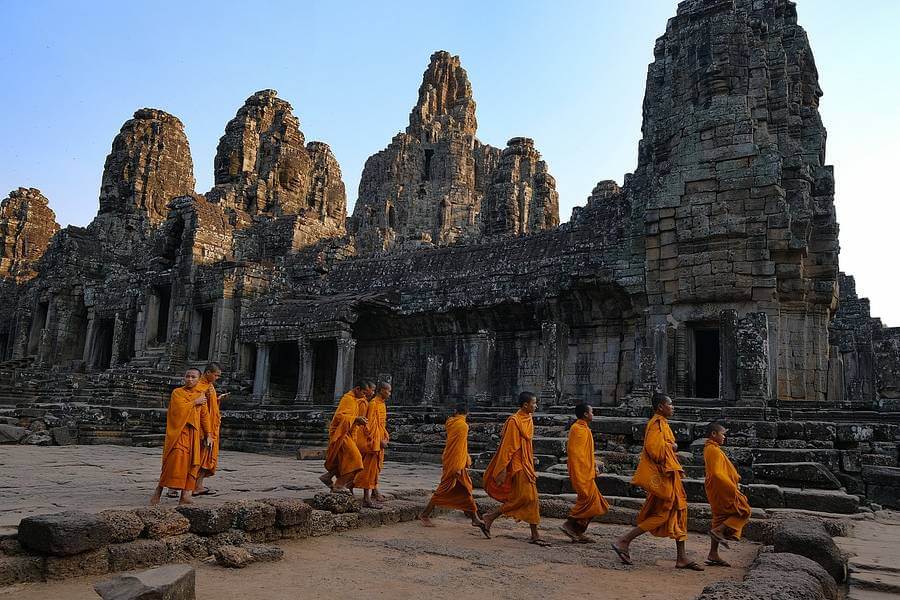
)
(476, 520)
(198, 487)
(345, 482)
(378, 495)
(327, 478)
(425, 515)
(185, 497)
(156, 495)
(535, 535)
(490, 517)
(571, 528)
(713, 550)
(624, 542)
(369, 501)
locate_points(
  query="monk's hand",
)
(209, 441)
(384, 444)
(361, 421)
(674, 447)
(221, 396)
(460, 473)
(500, 477)
(200, 401)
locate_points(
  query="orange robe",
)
(455, 488)
(664, 513)
(518, 492)
(370, 437)
(209, 455)
(583, 473)
(185, 424)
(343, 457)
(729, 505)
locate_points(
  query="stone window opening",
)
(426, 172)
(324, 371)
(704, 361)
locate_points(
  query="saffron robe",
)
(209, 455)
(455, 488)
(664, 513)
(370, 437)
(185, 424)
(728, 504)
(515, 456)
(343, 457)
(583, 474)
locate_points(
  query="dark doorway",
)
(706, 363)
(38, 322)
(324, 371)
(426, 172)
(206, 316)
(164, 299)
(285, 365)
(4, 342)
(103, 343)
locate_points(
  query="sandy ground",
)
(449, 561)
(37, 480)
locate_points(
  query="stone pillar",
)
(263, 368)
(47, 339)
(659, 343)
(151, 319)
(90, 353)
(728, 355)
(304, 372)
(222, 331)
(554, 343)
(119, 340)
(480, 353)
(346, 353)
(753, 359)
(434, 379)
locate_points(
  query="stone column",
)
(554, 344)
(480, 353)
(91, 337)
(728, 322)
(45, 346)
(304, 372)
(346, 354)
(119, 340)
(222, 331)
(263, 368)
(753, 359)
(434, 378)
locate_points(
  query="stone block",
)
(170, 582)
(11, 547)
(38, 438)
(808, 538)
(797, 474)
(289, 512)
(186, 548)
(321, 522)
(695, 489)
(252, 516)
(137, 555)
(160, 522)
(335, 503)
(345, 521)
(552, 483)
(232, 537)
(261, 536)
(265, 552)
(555, 508)
(821, 500)
(62, 436)
(21, 569)
(369, 517)
(815, 430)
(617, 485)
(209, 519)
(852, 432)
(763, 495)
(10, 434)
(124, 525)
(295, 532)
(554, 446)
(92, 562)
(65, 533)
(776, 576)
(233, 557)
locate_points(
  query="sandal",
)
(624, 556)
(717, 563)
(568, 533)
(692, 566)
(540, 542)
(586, 540)
(206, 492)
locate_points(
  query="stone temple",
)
(710, 273)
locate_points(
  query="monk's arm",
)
(205, 425)
(718, 474)
(655, 443)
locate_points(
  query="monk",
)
(209, 455)
(583, 472)
(187, 422)
(455, 489)
(730, 507)
(664, 513)
(372, 438)
(359, 434)
(343, 459)
(510, 477)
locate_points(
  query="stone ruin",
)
(711, 273)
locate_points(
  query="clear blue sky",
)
(570, 74)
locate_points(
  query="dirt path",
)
(451, 561)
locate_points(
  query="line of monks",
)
(358, 437)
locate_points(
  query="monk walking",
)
(209, 455)
(187, 422)
(372, 438)
(455, 488)
(583, 472)
(664, 513)
(510, 478)
(343, 460)
(730, 508)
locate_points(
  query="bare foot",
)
(570, 533)
(379, 496)
(488, 521)
(370, 504)
(426, 522)
(185, 501)
(154, 500)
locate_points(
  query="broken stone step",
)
(878, 581)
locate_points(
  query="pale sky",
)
(569, 74)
